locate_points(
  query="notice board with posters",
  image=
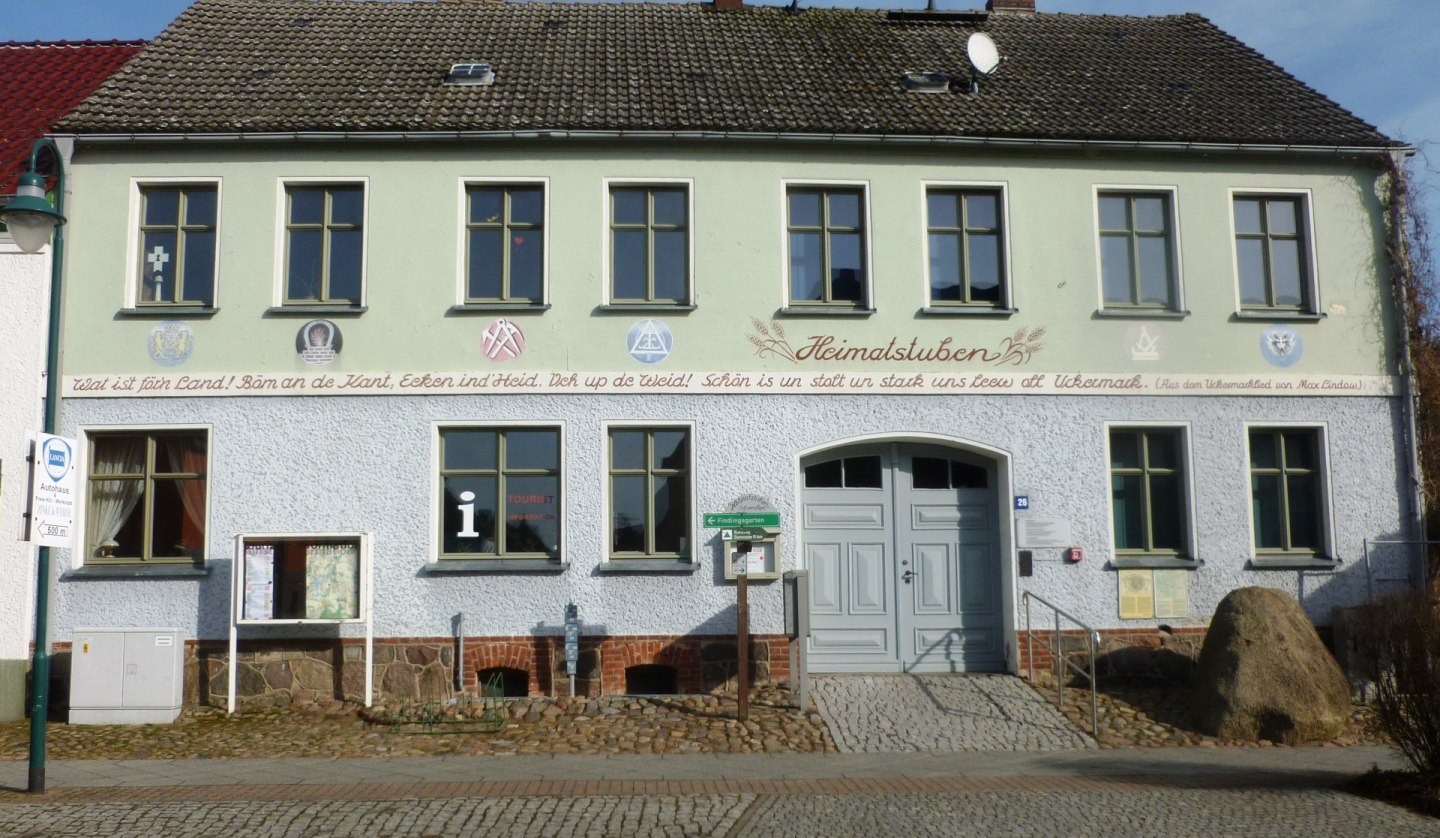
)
(283, 579)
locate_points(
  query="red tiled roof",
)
(40, 81)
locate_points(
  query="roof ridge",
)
(112, 42)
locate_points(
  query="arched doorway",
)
(903, 543)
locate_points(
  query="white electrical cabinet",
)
(125, 676)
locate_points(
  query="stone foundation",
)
(423, 668)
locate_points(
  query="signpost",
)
(52, 502)
(742, 528)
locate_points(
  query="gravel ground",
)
(1130, 716)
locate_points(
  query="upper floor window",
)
(1272, 253)
(650, 245)
(963, 232)
(147, 496)
(1148, 492)
(1286, 491)
(177, 244)
(1138, 267)
(324, 244)
(505, 243)
(500, 493)
(650, 508)
(825, 227)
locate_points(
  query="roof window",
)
(925, 82)
(470, 74)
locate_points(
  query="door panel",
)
(904, 578)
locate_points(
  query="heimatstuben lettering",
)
(1014, 350)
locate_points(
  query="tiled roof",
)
(39, 83)
(362, 65)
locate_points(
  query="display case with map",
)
(302, 580)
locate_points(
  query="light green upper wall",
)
(413, 236)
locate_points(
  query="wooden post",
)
(742, 624)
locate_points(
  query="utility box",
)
(126, 676)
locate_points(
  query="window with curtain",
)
(147, 496)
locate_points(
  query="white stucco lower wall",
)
(25, 279)
(339, 464)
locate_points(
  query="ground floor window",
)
(1285, 488)
(146, 498)
(500, 493)
(650, 493)
(1147, 491)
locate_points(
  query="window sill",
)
(138, 571)
(668, 566)
(306, 310)
(1142, 313)
(622, 307)
(825, 311)
(498, 305)
(1292, 563)
(168, 311)
(1280, 314)
(967, 311)
(444, 567)
(1155, 562)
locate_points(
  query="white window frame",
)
(607, 520)
(1177, 265)
(1007, 290)
(436, 554)
(1307, 225)
(131, 300)
(1325, 556)
(1187, 453)
(462, 277)
(606, 268)
(80, 551)
(280, 278)
(790, 306)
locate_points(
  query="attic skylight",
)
(474, 73)
(925, 82)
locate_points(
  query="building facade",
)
(455, 337)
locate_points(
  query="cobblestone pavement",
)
(1075, 809)
(870, 713)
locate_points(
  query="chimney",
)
(1002, 7)
(729, 4)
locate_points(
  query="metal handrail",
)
(1092, 644)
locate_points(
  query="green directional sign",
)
(742, 519)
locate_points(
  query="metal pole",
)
(1029, 641)
(1093, 641)
(742, 622)
(40, 660)
(1058, 662)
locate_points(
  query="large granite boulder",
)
(1264, 674)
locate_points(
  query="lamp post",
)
(31, 218)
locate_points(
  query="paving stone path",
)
(1175, 813)
(883, 713)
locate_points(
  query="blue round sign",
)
(1281, 346)
(649, 341)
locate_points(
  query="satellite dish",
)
(984, 56)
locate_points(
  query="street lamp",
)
(31, 218)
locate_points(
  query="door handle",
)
(907, 576)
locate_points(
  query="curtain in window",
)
(112, 501)
(186, 454)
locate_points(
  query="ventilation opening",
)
(651, 679)
(503, 682)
